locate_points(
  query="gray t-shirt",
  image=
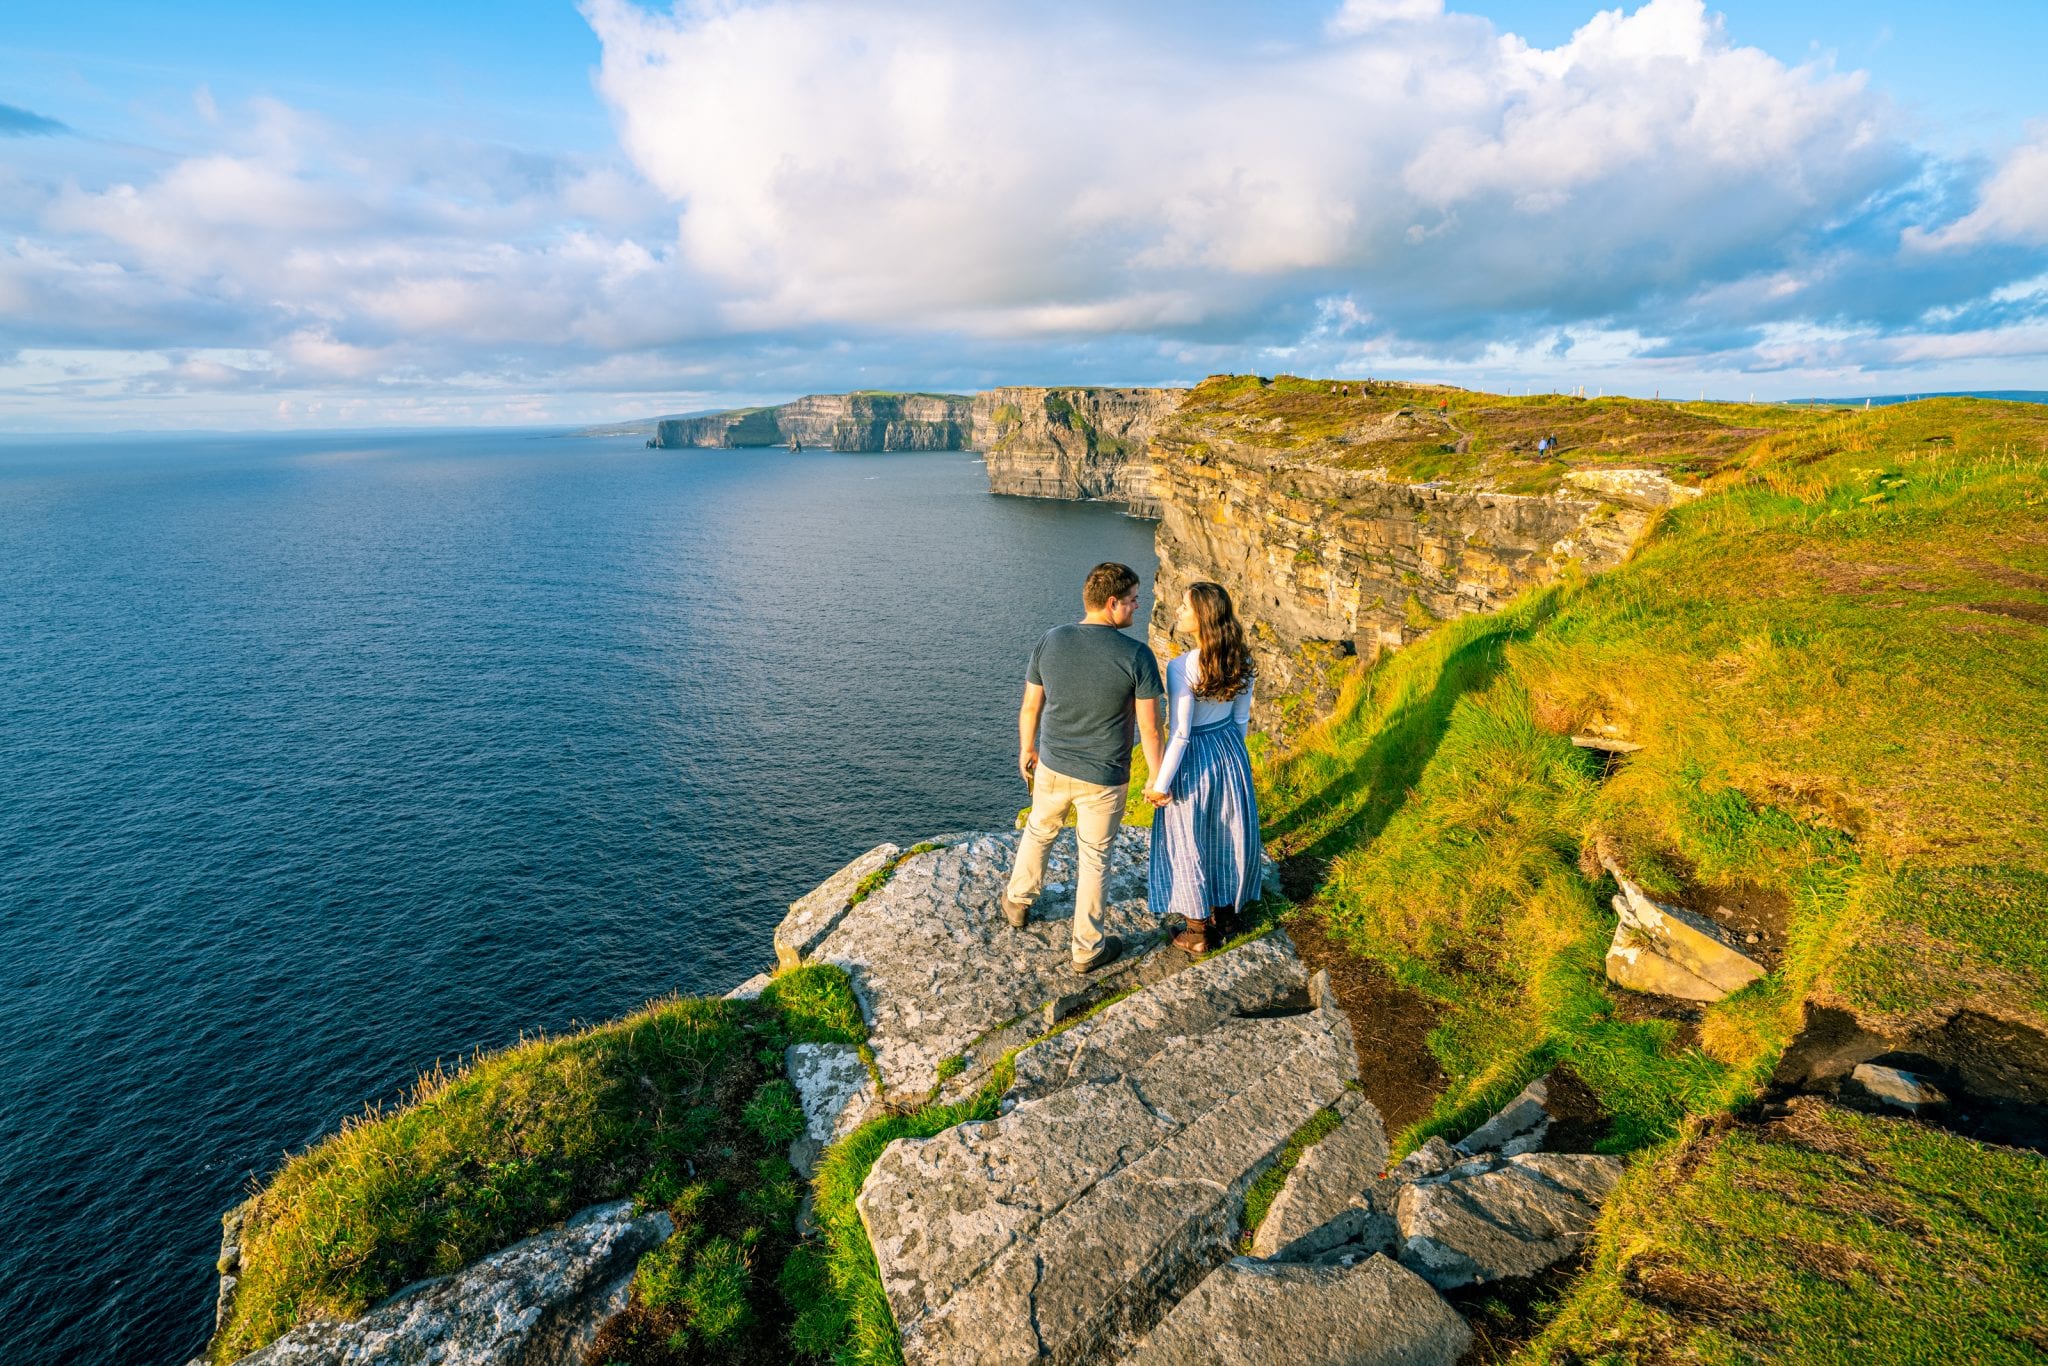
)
(1092, 675)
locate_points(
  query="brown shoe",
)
(1108, 951)
(1195, 939)
(1017, 913)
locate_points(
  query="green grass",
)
(1831, 1237)
(848, 1319)
(1836, 723)
(1834, 664)
(682, 1106)
(881, 877)
(1258, 1201)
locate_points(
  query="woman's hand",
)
(1158, 798)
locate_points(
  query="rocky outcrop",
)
(538, 1303)
(1072, 443)
(1329, 563)
(1491, 1218)
(1490, 1207)
(861, 421)
(1253, 1313)
(1064, 1229)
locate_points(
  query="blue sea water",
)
(326, 757)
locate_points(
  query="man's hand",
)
(1027, 764)
(1159, 798)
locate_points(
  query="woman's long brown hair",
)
(1226, 659)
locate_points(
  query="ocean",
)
(326, 757)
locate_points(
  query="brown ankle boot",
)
(1196, 938)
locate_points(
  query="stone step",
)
(1253, 1313)
(936, 967)
(1064, 1229)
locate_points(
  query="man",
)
(1087, 685)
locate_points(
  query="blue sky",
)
(245, 216)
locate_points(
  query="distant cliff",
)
(862, 421)
(1073, 443)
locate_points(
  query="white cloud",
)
(883, 165)
(2011, 208)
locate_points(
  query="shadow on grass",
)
(1353, 803)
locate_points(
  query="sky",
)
(238, 216)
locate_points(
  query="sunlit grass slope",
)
(1823, 1237)
(1836, 664)
(682, 1106)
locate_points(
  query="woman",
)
(1205, 838)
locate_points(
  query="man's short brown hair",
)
(1106, 582)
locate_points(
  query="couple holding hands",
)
(1089, 691)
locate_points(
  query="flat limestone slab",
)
(836, 1092)
(1064, 1229)
(1250, 1313)
(935, 966)
(1324, 1203)
(1260, 975)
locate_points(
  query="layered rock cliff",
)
(861, 421)
(1314, 504)
(1073, 443)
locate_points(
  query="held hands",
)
(1158, 798)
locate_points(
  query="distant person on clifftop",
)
(1206, 856)
(1087, 688)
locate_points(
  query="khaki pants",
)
(1098, 812)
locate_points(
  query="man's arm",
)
(1027, 730)
(1148, 731)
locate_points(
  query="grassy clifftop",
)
(1433, 432)
(1836, 665)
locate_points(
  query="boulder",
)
(817, 912)
(837, 1095)
(1250, 1313)
(1064, 1229)
(1325, 1202)
(1672, 952)
(1489, 1220)
(538, 1303)
(1896, 1087)
(936, 967)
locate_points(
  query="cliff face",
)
(1073, 443)
(839, 422)
(1328, 561)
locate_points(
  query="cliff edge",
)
(1082, 444)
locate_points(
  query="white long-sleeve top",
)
(1187, 711)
